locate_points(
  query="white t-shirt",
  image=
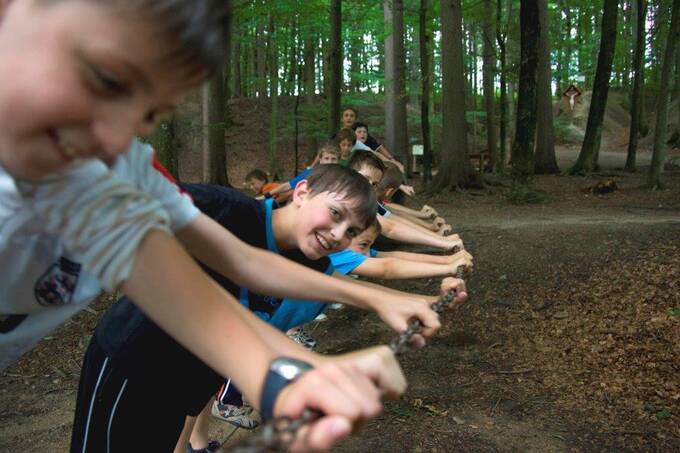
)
(66, 239)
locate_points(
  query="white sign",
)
(417, 150)
(580, 78)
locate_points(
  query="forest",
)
(456, 77)
(546, 133)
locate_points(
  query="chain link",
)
(278, 433)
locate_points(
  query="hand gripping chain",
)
(278, 433)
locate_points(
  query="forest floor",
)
(570, 339)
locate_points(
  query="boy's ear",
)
(301, 193)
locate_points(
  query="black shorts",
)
(138, 406)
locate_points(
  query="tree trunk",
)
(455, 167)
(274, 93)
(309, 73)
(638, 81)
(335, 60)
(355, 64)
(501, 37)
(237, 91)
(659, 151)
(544, 159)
(489, 71)
(424, 43)
(523, 148)
(216, 171)
(591, 143)
(261, 63)
(396, 132)
(163, 142)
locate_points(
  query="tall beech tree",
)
(587, 158)
(523, 148)
(661, 126)
(396, 131)
(335, 70)
(489, 71)
(455, 168)
(544, 159)
(426, 84)
(638, 81)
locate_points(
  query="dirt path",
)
(507, 372)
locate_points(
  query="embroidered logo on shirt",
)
(57, 285)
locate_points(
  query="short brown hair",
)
(361, 159)
(257, 174)
(349, 185)
(392, 177)
(329, 148)
(346, 134)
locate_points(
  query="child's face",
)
(325, 222)
(361, 133)
(363, 242)
(348, 118)
(255, 184)
(79, 82)
(328, 158)
(373, 174)
(346, 147)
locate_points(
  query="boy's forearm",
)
(395, 269)
(285, 187)
(401, 209)
(243, 264)
(420, 257)
(414, 221)
(404, 233)
(384, 290)
(197, 312)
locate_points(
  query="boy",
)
(329, 153)
(145, 360)
(258, 182)
(388, 186)
(392, 227)
(360, 259)
(76, 214)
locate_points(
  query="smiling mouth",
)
(323, 242)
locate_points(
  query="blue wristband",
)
(282, 371)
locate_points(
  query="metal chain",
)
(278, 433)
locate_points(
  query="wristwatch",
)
(282, 371)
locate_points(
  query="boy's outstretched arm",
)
(424, 257)
(396, 308)
(197, 312)
(396, 268)
(218, 248)
(408, 234)
(423, 214)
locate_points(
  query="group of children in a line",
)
(210, 277)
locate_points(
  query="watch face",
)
(290, 369)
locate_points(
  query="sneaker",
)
(212, 447)
(239, 416)
(303, 338)
(336, 306)
(321, 317)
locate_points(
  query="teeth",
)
(323, 242)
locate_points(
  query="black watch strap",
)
(282, 372)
